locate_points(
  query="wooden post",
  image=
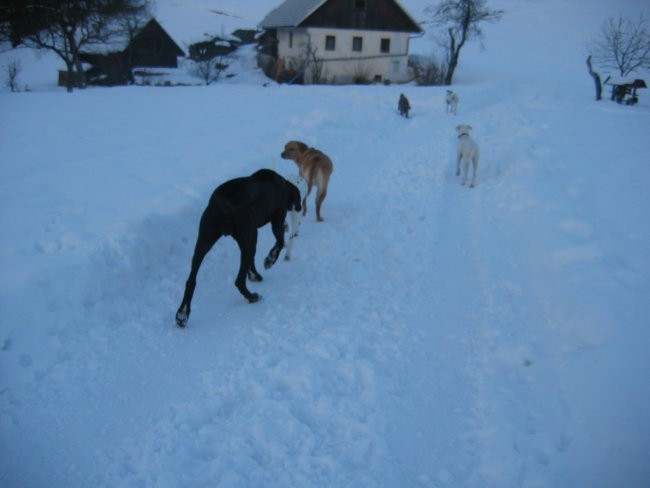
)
(596, 77)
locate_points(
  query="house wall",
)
(343, 64)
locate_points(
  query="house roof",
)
(290, 13)
(153, 24)
(120, 43)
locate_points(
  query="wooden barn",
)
(151, 46)
(338, 41)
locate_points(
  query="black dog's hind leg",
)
(247, 242)
(208, 235)
(277, 225)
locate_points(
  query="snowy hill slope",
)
(425, 334)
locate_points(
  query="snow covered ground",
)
(426, 334)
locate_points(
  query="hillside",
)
(426, 334)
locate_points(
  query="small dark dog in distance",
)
(403, 105)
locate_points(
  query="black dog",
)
(403, 106)
(238, 208)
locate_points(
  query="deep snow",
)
(425, 334)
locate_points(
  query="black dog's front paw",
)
(270, 260)
(254, 297)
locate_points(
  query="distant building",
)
(151, 46)
(337, 41)
(221, 45)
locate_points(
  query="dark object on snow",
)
(596, 76)
(624, 90)
(403, 106)
(238, 208)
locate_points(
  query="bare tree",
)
(305, 68)
(460, 20)
(68, 26)
(428, 71)
(314, 64)
(128, 23)
(623, 45)
(209, 69)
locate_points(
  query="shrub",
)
(427, 71)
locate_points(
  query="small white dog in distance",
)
(466, 151)
(451, 102)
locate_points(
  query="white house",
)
(340, 41)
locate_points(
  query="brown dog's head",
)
(293, 150)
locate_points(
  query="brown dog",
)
(314, 166)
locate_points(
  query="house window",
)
(330, 43)
(290, 40)
(357, 44)
(385, 45)
(359, 14)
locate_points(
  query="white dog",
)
(452, 102)
(466, 151)
(300, 183)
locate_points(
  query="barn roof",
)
(120, 43)
(153, 24)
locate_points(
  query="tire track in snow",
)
(455, 299)
(476, 314)
(428, 439)
(514, 370)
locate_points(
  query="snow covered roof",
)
(194, 21)
(290, 13)
(617, 80)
